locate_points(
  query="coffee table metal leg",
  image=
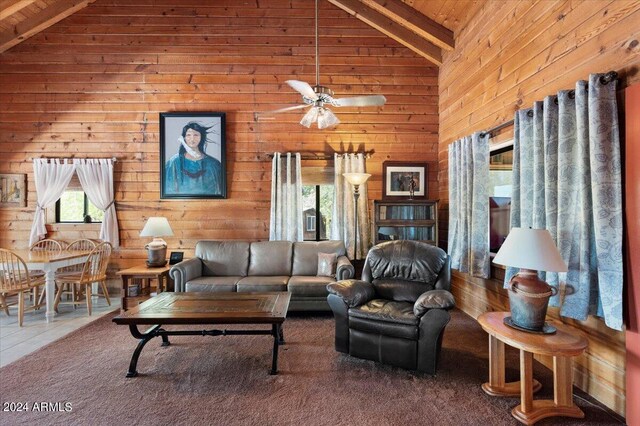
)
(165, 338)
(281, 335)
(144, 338)
(276, 331)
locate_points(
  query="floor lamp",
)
(356, 179)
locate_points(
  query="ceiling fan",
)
(318, 97)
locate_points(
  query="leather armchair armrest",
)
(433, 299)
(352, 292)
(344, 269)
(185, 271)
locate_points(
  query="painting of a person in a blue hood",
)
(191, 171)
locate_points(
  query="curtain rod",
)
(114, 159)
(323, 155)
(605, 79)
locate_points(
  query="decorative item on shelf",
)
(388, 231)
(404, 180)
(531, 250)
(176, 257)
(356, 179)
(87, 219)
(156, 227)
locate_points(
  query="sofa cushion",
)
(263, 283)
(387, 311)
(270, 258)
(327, 263)
(400, 290)
(213, 284)
(305, 255)
(309, 286)
(406, 260)
(223, 258)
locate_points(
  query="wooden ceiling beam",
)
(392, 29)
(9, 7)
(47, 17)
(409, 17)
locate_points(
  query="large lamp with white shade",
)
(531, 250)
(156, 227)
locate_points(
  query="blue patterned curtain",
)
(567, 179)
(469, 205)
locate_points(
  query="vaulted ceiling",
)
(426, 27)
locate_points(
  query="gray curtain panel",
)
(567, 179)
(286, 198)
(469, 205)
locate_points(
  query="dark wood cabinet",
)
(406, 220)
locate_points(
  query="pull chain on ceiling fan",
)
(318, 96)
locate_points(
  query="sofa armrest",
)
(353, 292)
(433, 299)
(344, 269)
(185, 271)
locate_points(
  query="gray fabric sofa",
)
(263, 266)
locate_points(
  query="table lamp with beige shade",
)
(531, 250)
(156, 227)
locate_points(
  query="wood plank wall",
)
(93, 85)
(508, 55)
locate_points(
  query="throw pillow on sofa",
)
(327, 264)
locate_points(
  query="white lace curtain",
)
(469, 205)
(286, 198)
(567, 179)
(52, 176)
(342, 224)
(96, 178)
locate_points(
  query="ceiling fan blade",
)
(372, 100)
(291, 108)
(303, 88)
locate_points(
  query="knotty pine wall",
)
(93, 85)
(507, 56)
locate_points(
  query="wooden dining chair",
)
(16, 280)
(94, 270)
(49, 245)
(70, 290)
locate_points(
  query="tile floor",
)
(16, 342)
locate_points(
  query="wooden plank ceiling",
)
(424, 27)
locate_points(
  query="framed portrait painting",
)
(192, 155)
(13, 190)
(404, 181)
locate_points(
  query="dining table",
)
(49, 262)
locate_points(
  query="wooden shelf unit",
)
(136, 284)
(409, 220)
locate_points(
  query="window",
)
(317, 205)
(500, 185)
(311, 223)
(74, 206)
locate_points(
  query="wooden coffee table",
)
(206, 308)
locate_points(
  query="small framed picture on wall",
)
(192, 155)
(404, 180)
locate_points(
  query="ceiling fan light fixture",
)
(326, 118)
(310, 117)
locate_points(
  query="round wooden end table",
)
(562, 346)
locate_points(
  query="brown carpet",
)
(224, 381)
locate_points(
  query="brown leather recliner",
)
(397, 313)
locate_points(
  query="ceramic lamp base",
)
(546, 328)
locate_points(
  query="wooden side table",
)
(562, 346)
(144, 275)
